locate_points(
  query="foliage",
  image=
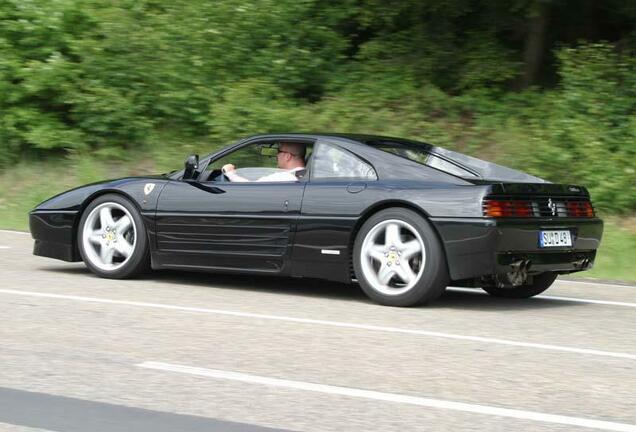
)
(615, 256)
(110, 79)
(590, 132)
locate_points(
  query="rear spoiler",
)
(545, 189)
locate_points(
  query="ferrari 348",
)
(404, 219)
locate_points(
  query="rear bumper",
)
(560, 262)
(54, 234)
(481, 246)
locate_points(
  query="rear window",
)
(333, 162)
(424, 157)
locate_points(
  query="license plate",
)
(555, 238)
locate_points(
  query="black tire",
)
(434, 275)
(139, 260)
(540, 283)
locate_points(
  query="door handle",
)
(286, 205)
(356, 187)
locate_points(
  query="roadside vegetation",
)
(92, 89)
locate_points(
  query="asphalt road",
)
(193, 352)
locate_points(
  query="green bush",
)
(586, 133)
(113, 79)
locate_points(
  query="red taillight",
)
(508, 208)
(541, 207)
(580, 209)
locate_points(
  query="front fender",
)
(54, 222)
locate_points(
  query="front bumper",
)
(54, 234)
(482, 246)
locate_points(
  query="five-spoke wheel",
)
(112, 239)
(109, 236)
(393, 256)
(398, 260)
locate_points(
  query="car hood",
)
(73, 199)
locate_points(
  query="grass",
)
(616, 258)
(25, 185)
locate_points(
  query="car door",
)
(338, 191)
(227, 226)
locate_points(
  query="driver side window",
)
(253, 162)
(251, 156)
(259, 156)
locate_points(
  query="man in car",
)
(290, 157)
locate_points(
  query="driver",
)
(290, 157)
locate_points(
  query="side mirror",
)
(191, 166)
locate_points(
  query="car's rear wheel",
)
(540, 283)
(112, 238)
(398, 260)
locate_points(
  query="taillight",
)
(540, 207)
(580, 209)
(507, 208)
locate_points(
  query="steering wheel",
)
(218, 176)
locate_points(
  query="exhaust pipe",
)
(519, 273)
(527, 265)
(521, 265)
(582, 263)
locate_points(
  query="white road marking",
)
(5, 247)
(613, 285)
(392, 397)
(339, 324)
(15, 232)
(558, 298)
(591, 301)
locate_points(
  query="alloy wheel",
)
(109, 236)
(393, 257)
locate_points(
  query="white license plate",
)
(555, 238)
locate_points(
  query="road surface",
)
(192, 352)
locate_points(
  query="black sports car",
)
(403, 218)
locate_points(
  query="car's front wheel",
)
(398, 260)
(112, 238)
(540, 283)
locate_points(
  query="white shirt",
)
(282, 176)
